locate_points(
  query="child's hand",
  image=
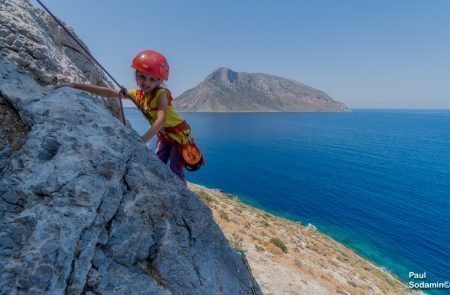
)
(123, 91)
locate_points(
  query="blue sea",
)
(377, 181)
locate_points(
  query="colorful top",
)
(174, 126)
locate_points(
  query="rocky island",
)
(227, 91)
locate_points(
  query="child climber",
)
(174, 134)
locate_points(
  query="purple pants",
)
(167, 150)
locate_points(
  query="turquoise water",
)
(376, 180)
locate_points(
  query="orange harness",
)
(163, 134)
(191, 154)
(183, 126)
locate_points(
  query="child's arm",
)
(97, 90)
(161, 118)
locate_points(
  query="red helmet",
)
(152, 63)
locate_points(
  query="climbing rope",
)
(123, 91)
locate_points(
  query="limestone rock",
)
(85, 208)
(31, 38)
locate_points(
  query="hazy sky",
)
(364, 53)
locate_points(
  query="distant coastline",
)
(230, 112)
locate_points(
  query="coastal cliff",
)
(287, 257)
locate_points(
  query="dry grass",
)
(308, 254)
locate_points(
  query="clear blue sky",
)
(364, 53)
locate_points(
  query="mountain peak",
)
(223, 74)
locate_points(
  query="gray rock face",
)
(85, 208)
(31, 38)
(227, 91)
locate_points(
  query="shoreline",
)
(285, 255)
(243, 200)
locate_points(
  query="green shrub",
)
(277, 242)
(264, 223)
(223, 215)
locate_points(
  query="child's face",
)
(147, 82)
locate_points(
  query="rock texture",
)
(31, 38)
(85, 208)
(12, 130)
(228, 91)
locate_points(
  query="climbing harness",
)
(190, 153)
(123, 91)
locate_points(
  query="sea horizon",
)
(351, 109)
